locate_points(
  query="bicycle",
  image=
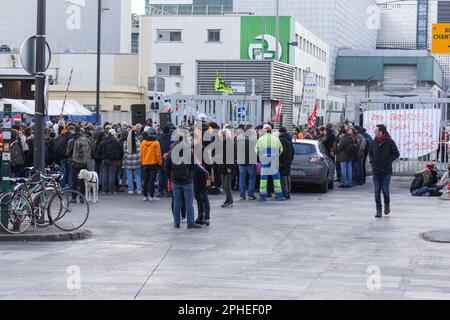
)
(43, 203)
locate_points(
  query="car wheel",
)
(324, 188)
(331, 185)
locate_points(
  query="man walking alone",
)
(382, 153)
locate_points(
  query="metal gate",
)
(418, 127)
(233, 110)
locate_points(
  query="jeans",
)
(149, 176)
(338, 171)
(286, 186)
(422, 191)
(66, 180)
(131, 175)
(228, 179)
(244, 173)
(183, 206)
(204, 208)
(162, 181)
(382, 183)
(109, 176)
(347, 172)
(188, 191)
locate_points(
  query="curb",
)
(47, 237)
(438, 236)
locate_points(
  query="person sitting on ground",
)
(422, 185)
(445, 181)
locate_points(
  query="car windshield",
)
(304, 149)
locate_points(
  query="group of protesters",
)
(193, 162)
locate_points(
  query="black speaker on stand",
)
(138, 114)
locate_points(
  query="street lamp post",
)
(39, 142)
(99, 48)
(277, 27)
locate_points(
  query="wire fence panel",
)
(419, 128)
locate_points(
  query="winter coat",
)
(287, 157)
(132, 161)
(382, 156)
(165, 141)
(104, 149)
(150, 153)
(342, 155)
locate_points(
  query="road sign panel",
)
(441, 38)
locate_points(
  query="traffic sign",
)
(18, 118)
(28, 55)
(441, 38)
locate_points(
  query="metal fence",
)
(223, 110)
(419, 128)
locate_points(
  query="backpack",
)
(17, 156)
(81, 151)
(113, 151)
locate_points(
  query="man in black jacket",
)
(382, 153)
(165, 140)
(286, 159)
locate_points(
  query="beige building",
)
(119, 80)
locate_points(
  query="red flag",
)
(313, 118)
(278, 110)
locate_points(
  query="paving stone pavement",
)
(317, 246)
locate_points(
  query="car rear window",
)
(304, 149)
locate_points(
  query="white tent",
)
(55, 107)
(17, 106)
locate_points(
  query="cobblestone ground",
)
(313, 247)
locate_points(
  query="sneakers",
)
(146, 199)
(387, 210)
(379, 214)
(227, 205)
(194, 226)
(139, 193)
(243, 198)
(207, 223)
(130, 193)
(252, 198)
(155, 199)
(177, 226)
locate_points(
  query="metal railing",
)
(188, 9)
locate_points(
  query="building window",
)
(169, 36)
(117, 108)
(168, 70)
(214, 35)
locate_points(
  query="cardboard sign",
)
(441, 38)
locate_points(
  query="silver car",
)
(312, 166)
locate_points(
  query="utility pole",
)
(277, 27)
(99, 48)
(39, 132)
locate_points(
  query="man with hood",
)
(151, 161)
(111, 152)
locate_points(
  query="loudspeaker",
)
(164, 118)
(139, 114)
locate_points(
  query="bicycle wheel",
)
(40, 202)
(74, 213)
(19, 212)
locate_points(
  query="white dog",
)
(91, 183)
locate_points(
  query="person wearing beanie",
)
(151, 161)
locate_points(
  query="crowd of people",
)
(145, 160)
